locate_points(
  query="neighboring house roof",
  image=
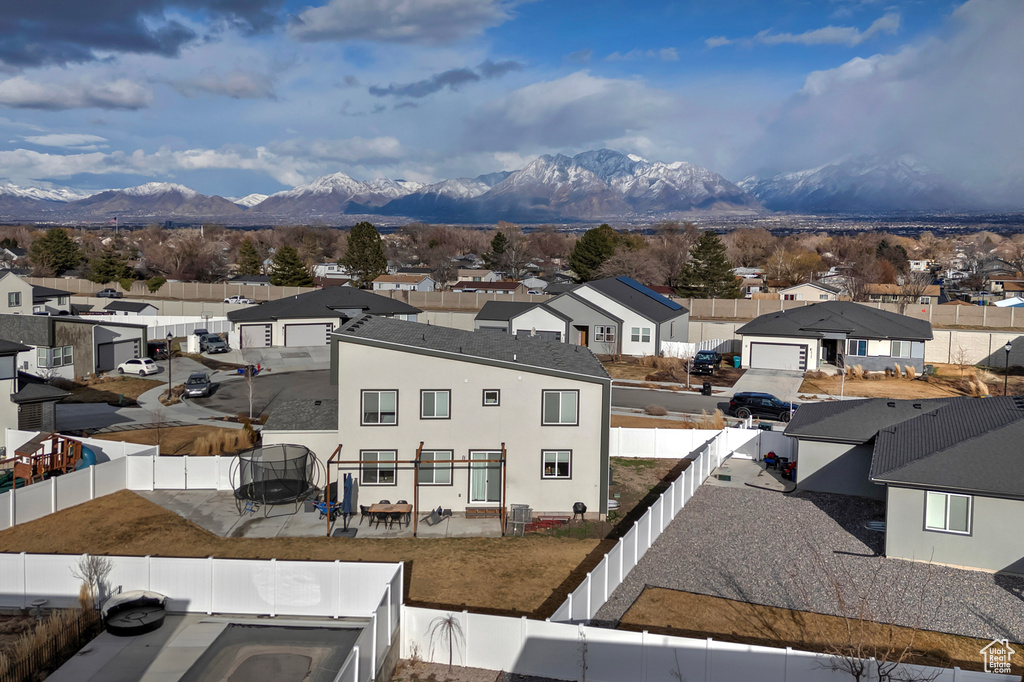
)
(853, 421)
(304, 414)
(329, 302)
(556, 288)
(250, 278)
(817, 285)
(502, 311)
(488, 347)
(638, 298)
(897, 290)
(40, 293)
(10, 347)
(966, 444)
(487, 286)
(473, 272)
(128, 306)
(838, 317)
(958, 302)
(80, 308)
(38, 330)
(402, 279)
(39, 393)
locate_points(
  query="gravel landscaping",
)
(793, 551)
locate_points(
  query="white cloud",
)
(21, 93)
(953, 104)
(427, 22)
(79, 141)
(237, 84)
(665, 54)
(829, 35)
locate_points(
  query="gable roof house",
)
(308, 319)
(133, 308)
(951, 471)
(810, 291)
(19, 297)
(404, 283)
(894, 293)
(533, 414)
(815, 336)
(507, 288)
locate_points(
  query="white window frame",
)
(604, 333)
(561, 422)
(640, 334)
(557, 455)
(427, 466)
(14, 299)
(370, 468)
(856, 353)
(43, 358)
(822, 297)
(362, 408)
(62, 300)
(497, 397)
(902, 344)
(933, 495)
(435, 392)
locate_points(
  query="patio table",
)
(382, 510)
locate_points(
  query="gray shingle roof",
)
(639, 298)
(38, 393)
(305, 414)
(543, 355)
(967, 444)
(34, 330)
(41, 293)
(502, 311)
(128, 306)
(855, 320)
(324, 303)
(854, 421)
(9, 347)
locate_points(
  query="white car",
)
(140, 366)
(239, 299)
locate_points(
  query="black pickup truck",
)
(706, 361)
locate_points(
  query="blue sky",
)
(238, 96)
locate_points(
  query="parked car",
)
(198, 385)
(156, 350)
(706, 361)
(200, 332)
(140, 366)
(109, 293)
(238, 299)
(211, 343)
(765, 405)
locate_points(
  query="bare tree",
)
(518, 250)
(912, 287)
(636, 264)
(93, 570)
(249, 374)
(446, 628)
(961, 358)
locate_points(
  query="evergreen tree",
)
(708, 273)
(249, 261)
(288, 269)
(365, 257)
(54, 253)
(592, 250)
(493, 258)
(109, 267)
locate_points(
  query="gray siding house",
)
(950, 470)
(832, 333)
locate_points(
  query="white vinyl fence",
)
(681, 349)
(157, 326)
(671, 443)
(558, 650)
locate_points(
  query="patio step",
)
(483, 512)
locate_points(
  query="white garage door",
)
(307, 334)
(256, 335)
(778, 356)
(110, 355)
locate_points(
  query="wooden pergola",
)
(414, 466)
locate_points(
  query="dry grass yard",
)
(185, 440)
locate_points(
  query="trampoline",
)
(274, 475)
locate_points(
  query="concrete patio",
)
(215, 510)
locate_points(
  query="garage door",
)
(256, 335)
(110, 355)
(307, 334)
(778, 356)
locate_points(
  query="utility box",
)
(736, 361)
(705, 389)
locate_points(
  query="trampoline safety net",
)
(276, 474)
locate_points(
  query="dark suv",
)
(706, 362)
(743, 405)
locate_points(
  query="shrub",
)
(155, 283)
(126, 283)
(897, 371)
(911, 372)
(656, 410)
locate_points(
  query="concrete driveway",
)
(784, 384)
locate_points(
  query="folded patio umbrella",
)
(346, 501)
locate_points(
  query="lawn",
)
(668, 370)
(185, 440)
(635, 421)
(522, 576)
(694, 615)
(108, 389)
(946, 382)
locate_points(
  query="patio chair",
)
(407, 515)
(364, 512)
(395, 517)
(384, 502)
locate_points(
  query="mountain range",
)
(594, 185)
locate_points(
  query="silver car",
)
(198, 385)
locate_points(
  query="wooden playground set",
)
(40, 458)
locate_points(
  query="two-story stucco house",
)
(471, 419)
(18, 297)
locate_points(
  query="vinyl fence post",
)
(92, 482)
(209, 610)
(273, 601)
(707, 660)
(24, 580)
(53, 495)
(465, 639)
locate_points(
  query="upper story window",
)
(948, 512)
(492, 397)
(640, 334)
(435, 404)
(560, 408)
(380, 408)
(62, 300)
(13, 299)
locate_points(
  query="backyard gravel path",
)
(789, 551)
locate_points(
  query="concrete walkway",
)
(781, 383)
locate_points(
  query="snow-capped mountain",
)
(249, 200)
(50, 193)
(336, 193)
(860, 184)
(445, 200)
(153, 199)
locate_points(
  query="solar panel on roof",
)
(650, 292)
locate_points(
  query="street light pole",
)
(1006, 372)
(170, 337)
